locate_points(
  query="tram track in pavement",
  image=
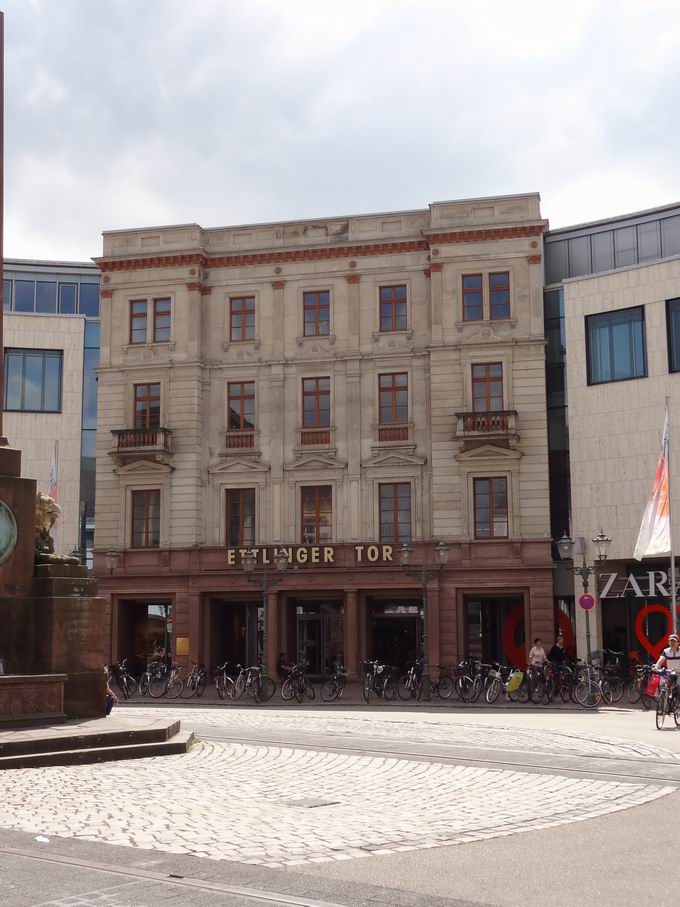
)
(572, 765)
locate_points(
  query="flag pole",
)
(674, 610)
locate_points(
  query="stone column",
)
(437, 305)
(351, 634)
(195, 607)
(433, 627)
(273, 648)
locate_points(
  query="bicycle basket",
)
(515, 682)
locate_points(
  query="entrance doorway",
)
(396, 633)
(236, 633)
(494, 630)
(144, 633)
(320, 639)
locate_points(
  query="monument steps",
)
(91, 742)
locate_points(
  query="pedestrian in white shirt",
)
(537, 653)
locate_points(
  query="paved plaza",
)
(287, 806)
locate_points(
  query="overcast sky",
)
(129, 113)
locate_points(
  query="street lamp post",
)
(424, 573)
(264, 581)
(111, 559)
(565, 546)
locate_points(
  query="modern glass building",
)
(55, 288)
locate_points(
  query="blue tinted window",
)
(33, 380)
(673, 324)
(67, 298)
(46, 297)
(616, 346)
(89, 300)
(90, 363)
(92, 331)
(24, 293)
(7, 294)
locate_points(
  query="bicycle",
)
(469, 680)
(259, 687)
(378, 681)
(668, 701)
(637, 686)
(334, 687)
(152, 670)
(224, 683)
(587, 692)
(166, 683)
(195, 682)
(296, 686)
(500, 680)
(125, 682)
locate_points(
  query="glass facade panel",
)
(556, 261)
(603, 251)
(673, 326)
(649, 240)
(670, 236)
(616, 345)
(625, 246)
(46, 297)
(33, 380)
(68, 293)
(24, 295)
(395, 512)
(241, 516)
(317, 514)
(146, 519)
(579, 256)
(7, 295)
(473, 308)
(89, 300)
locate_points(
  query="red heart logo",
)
(654, 648)
(515, 653)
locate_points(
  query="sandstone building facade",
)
(335, 388)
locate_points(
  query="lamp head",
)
(441, 552)
(566, 547)
(249, 560)
(602, 543)
(405, 555)
(281, 562)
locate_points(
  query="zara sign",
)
(651, 584)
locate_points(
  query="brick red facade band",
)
(265, 258)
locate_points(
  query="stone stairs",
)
(98, 740)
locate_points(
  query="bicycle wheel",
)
(189, 687)
(648, 702)
(342, 683)
(476, 688)
(549, 691)
(588, 694)
(157, 686)
(390, 690)
(239, 687)
(565, 691)
(330, 690)
(309, 690)
(616, 688)
(493, 691)
(144, 684)
(444, 686)
(174, 687)
(288, 689)
(257, 690)
(202, 684)
(369, 688)
(661, 709)
(537, 690)
(633, 691)
(299, 689)
(405, 688)
(268, 688)
(523, 690)
(676, 710)
(606, 691)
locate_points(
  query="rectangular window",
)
(487, 387)
(393, 308)
(316, 402)
(24, 295)
(317, 313)
(395, 512)
(147, 406)
(46, 297)
(393, 403)
(242, 318)
(67, 298)
(137, 320)
(146, 519)
(673, 329)
(473, 309)
(317, 514)
(161, 320)
(6, 294)
(241, 396)
(33, 380)
(241, 517)
(499, 295)
(89, 300)
(491, 508)
(615, 343)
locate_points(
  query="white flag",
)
(655, 532)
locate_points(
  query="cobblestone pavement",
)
(466, 734)
(285, 806)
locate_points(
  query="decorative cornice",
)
(369, 249)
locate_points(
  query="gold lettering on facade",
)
(231, 557)
(387, 552)
(301, 555)
(372, 553)
(315, 555)
(328, 556)
(358, 549)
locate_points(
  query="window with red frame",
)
(487, 387)
(242, 318)
(317, 514)
(241, 405)
(499, 295)
(241, 517)
(317, 313)
(491, 508)
(138, 321)
(316, 402)
(393, 402)
(146, 518)
(395, 512)
(473, 303)
(393, 308)
(147, 405)
(161, 320)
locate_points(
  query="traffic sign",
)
(586, 602)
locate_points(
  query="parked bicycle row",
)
(587, 684)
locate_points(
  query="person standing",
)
(537, 653)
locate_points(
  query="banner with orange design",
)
(655, 532)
